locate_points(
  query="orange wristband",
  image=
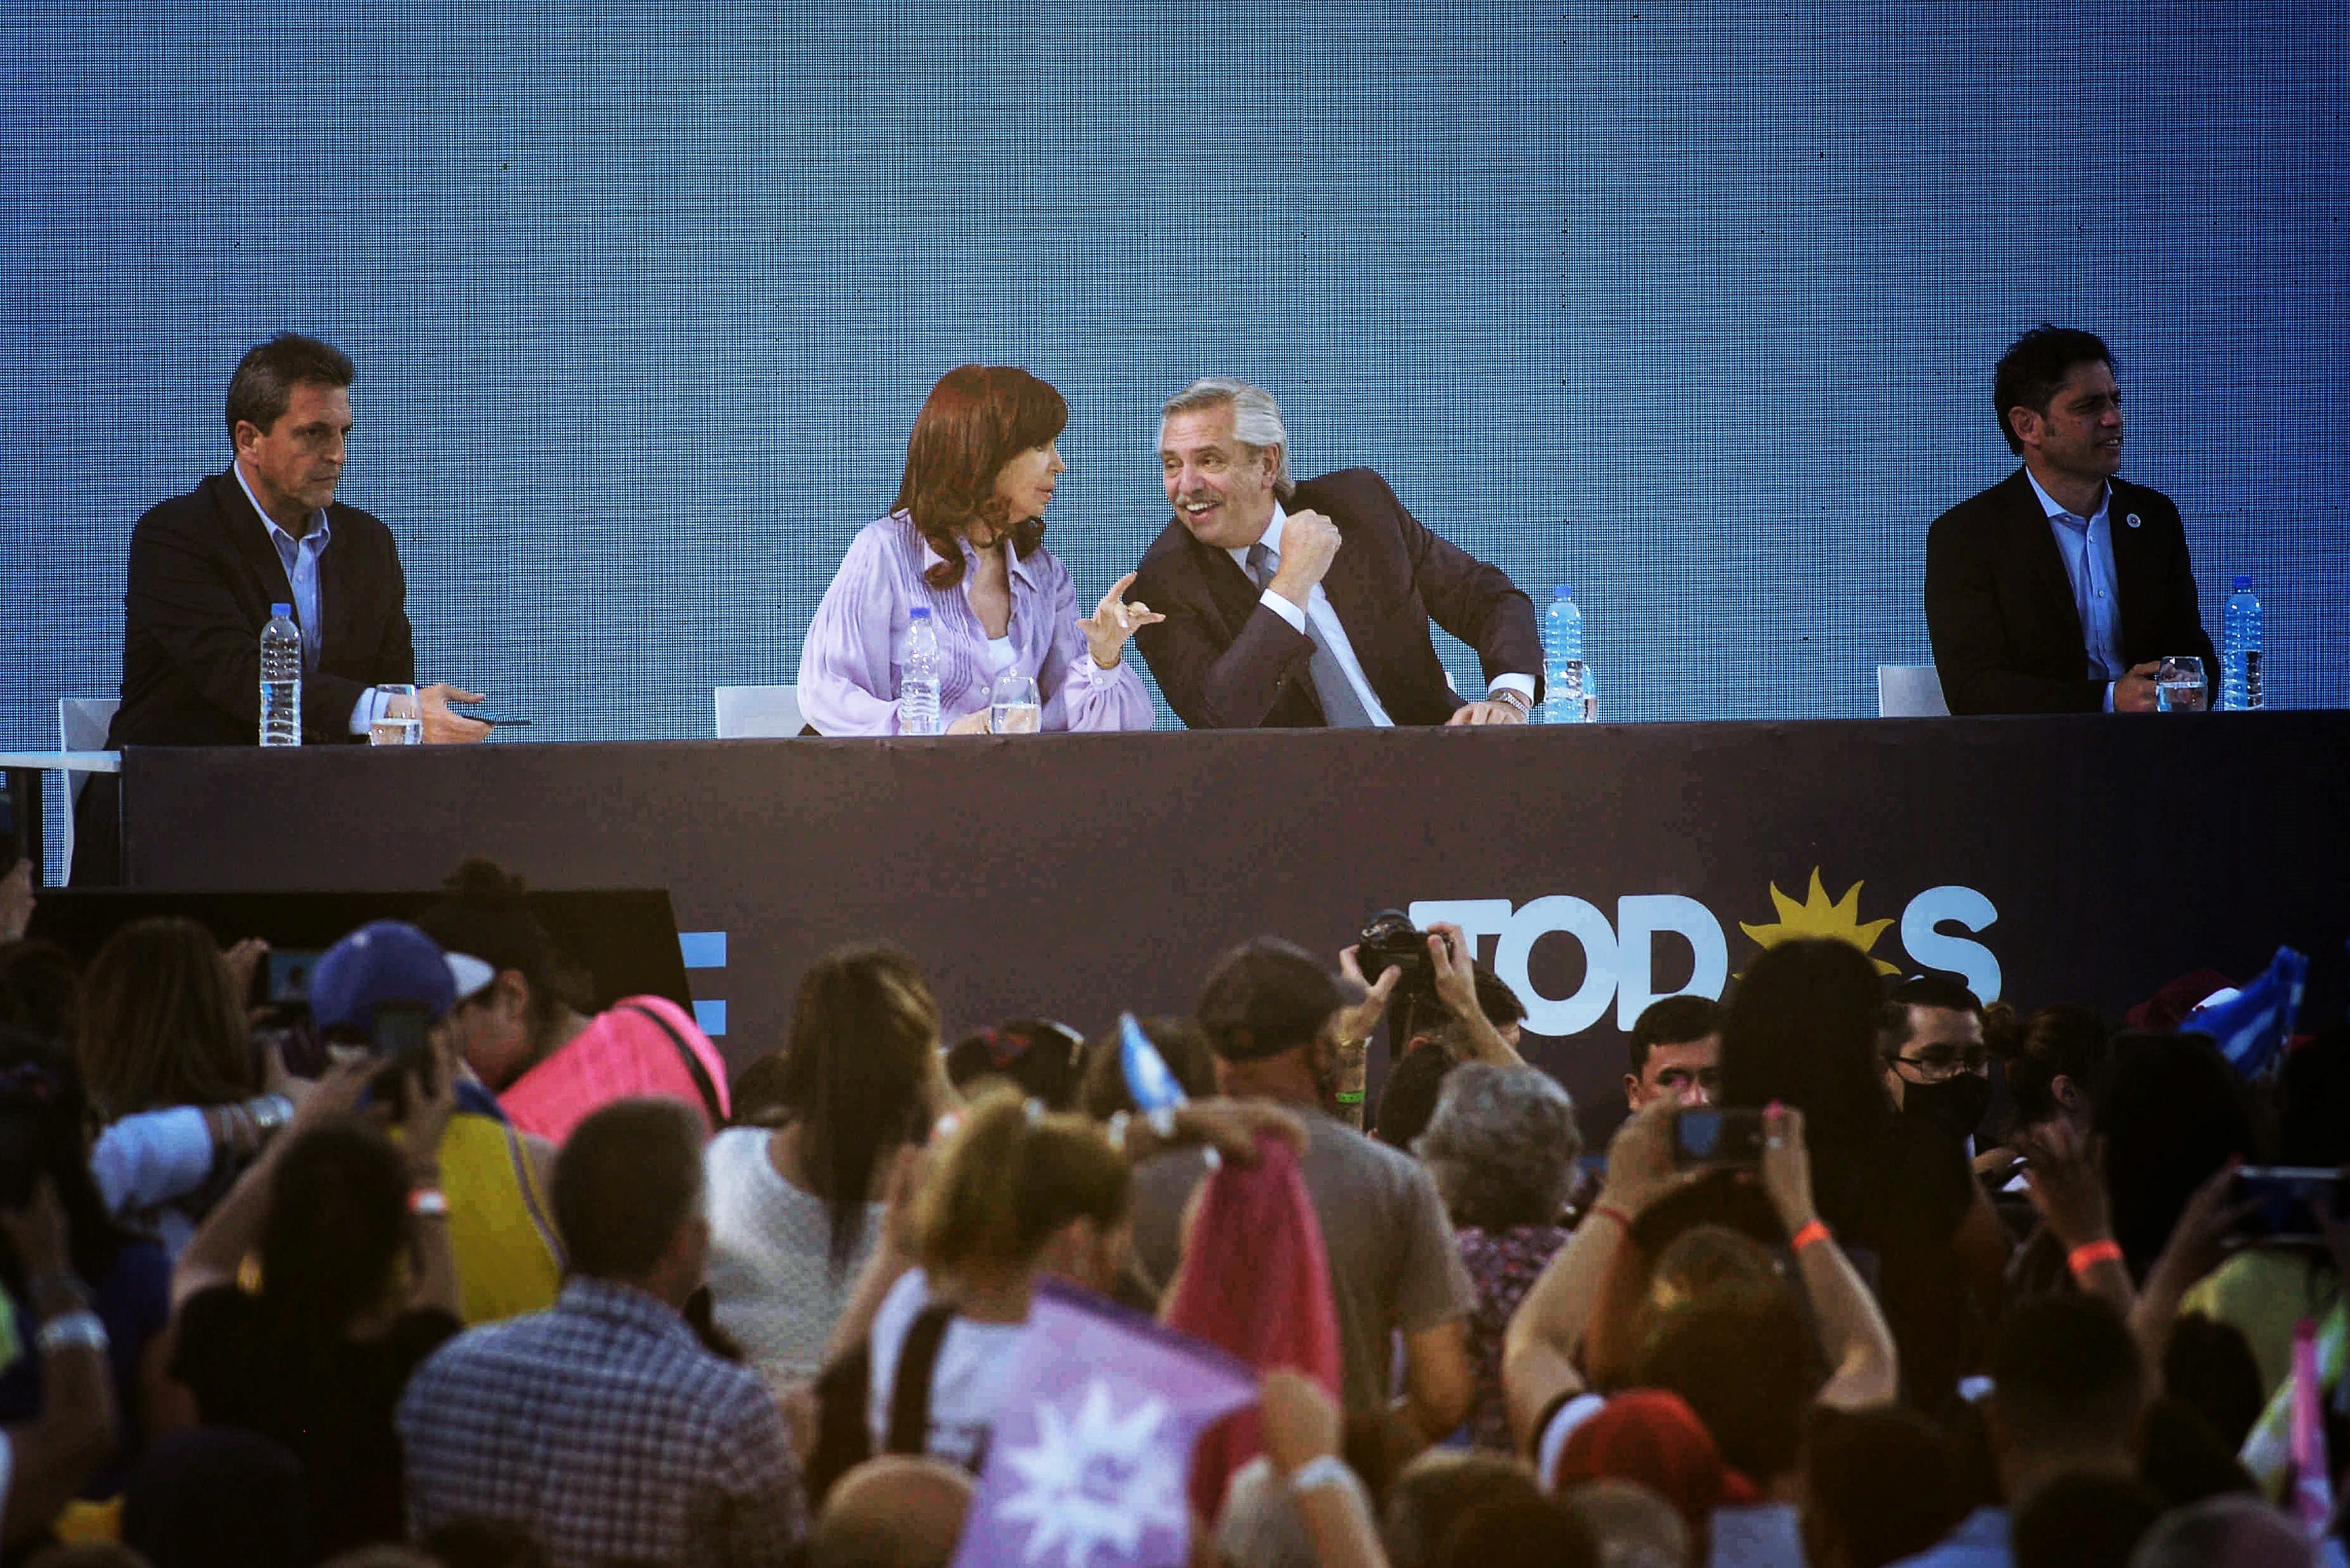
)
(1816, 1230)
(2089, 1255)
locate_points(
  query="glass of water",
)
(1012, 705)
(2178, 686)
(401, 721)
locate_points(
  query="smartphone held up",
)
(1717, 1136)
(2287, 1204)
(403, 1043)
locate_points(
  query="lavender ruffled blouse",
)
(849, 663)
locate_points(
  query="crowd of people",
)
(453, 1266)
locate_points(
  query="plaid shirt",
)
(604, 1428)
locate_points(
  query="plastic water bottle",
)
(2240, 649)
(917, 683)
(281, 678)
(1563, 668)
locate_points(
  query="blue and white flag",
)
(1091, 1454)
(2252, 1026)
(1148, 1076)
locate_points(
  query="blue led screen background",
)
(1691, 307)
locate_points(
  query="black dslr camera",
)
(1389, 941)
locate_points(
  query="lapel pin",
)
(2131, 519)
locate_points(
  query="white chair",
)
(82, 723)
(757, 712)
(1909, 691)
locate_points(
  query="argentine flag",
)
(2251, 1025)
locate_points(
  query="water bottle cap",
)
(2244, 581)
(286, 610)
(919, 612)
(1562, 592)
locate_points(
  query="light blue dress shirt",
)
(301, 560)
(2085, 544)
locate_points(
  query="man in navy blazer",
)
(1289, 605)
(2061, 588)
(206, 566)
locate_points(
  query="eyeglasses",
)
(1936, 1067)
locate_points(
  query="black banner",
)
(2083, 858)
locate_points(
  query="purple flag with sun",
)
(1091, 1448)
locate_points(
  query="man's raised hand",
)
(1309, 543)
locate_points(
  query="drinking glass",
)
(1012, 708)
(2178, 686)
(401, 721)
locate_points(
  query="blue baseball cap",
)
(390, 961)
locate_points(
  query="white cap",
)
(470, 973)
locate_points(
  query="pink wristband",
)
(2089, 1255)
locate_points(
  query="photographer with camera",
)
(1437, 992)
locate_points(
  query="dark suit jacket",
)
(202, 576)
(1225, 661)
(2007, 635)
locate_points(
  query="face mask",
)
(1955, 1105)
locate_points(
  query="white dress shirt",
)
(1332, 634)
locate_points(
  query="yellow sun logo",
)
(1816, 917)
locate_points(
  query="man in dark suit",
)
(206, 566)
(2061, 588)
(1299, 605)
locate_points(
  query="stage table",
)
(2085, 858)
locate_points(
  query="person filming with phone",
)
(316, 1358)
(1845, 1358)
(389, 995)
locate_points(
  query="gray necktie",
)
(1341, 708)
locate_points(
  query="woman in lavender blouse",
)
(966, 539)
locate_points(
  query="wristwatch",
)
(1514, 698)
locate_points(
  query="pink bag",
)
(642, 1045)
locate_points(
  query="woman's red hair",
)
(977, 419)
